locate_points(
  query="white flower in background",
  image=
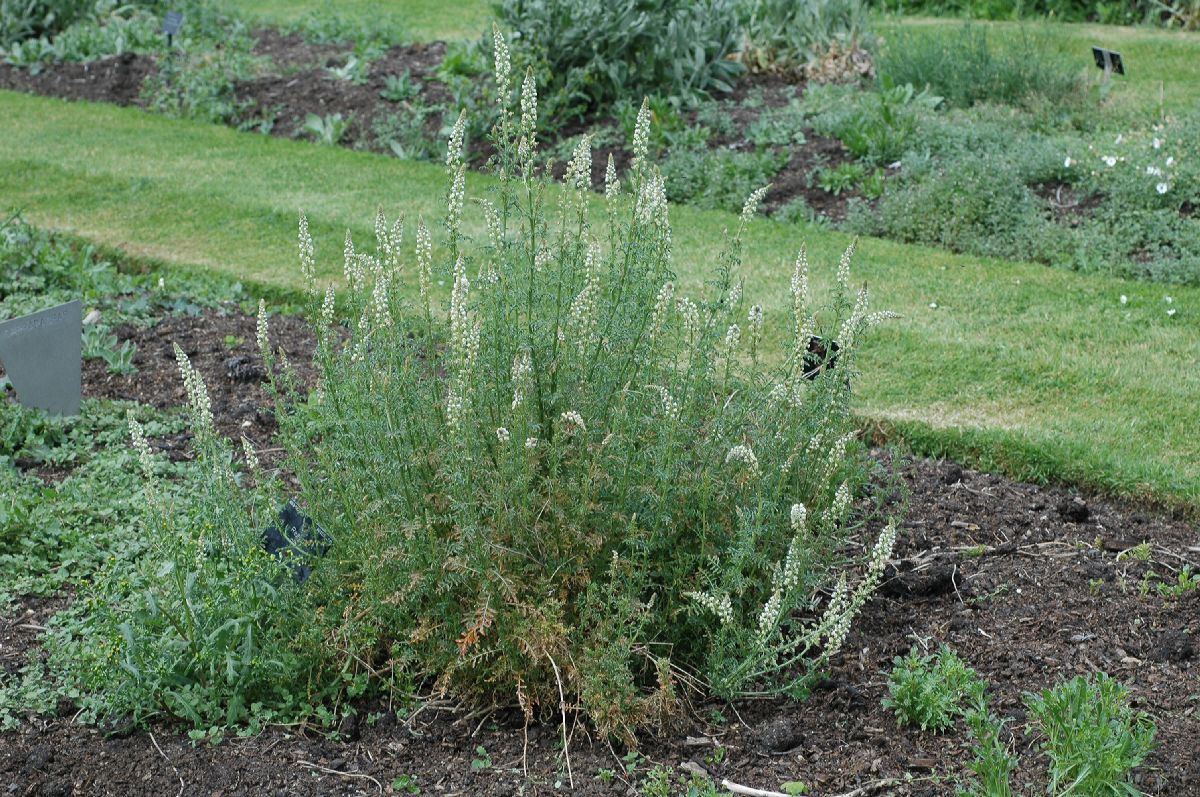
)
(1168, 299)
(799, 518)
(1124, 299)
(1170, 161)
(1171, 312)
(744, 455)
(522, 370)
(670, 406)
(662, 306)
(612, 186)
(933, 305)
(1067, 162)
(1154, 171)
(769, 617)
(573, 421)
(720, 605)
(641, 138)
(1110, 160)
(1120, 138)
(733, 336)
(1156, 143)
(691, 316)
(503, 66)
(502, 435)
(531, 443)
(1162, 188)
(752, 202)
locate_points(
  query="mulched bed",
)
(222, 345)
(1027, 583)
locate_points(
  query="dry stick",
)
(562, 704)
(320, 768)
(737, 788)
(870, 787)
(164, 755)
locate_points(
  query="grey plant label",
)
(41, 353)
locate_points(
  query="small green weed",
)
(1092, 735)
(327, 129)
(928, 690)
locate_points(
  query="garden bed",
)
(1030, 585)
(1036, 604)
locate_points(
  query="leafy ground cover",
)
(994, 372)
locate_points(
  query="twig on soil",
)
(870, 787)
(562, 704)
(164, 755)
(737, 788)
(319, 768)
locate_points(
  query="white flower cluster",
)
(138, 437)
(641, 140)
(843, 272)
(691, 317)
(743, 454)
(503, 68)
(522, 373)
(720, 605)
(262, 332)
(662, 306)
(327, 307)
(308, 267)
(503, 435)
(612, 186)
(352, 264)
(455, 201)
(582, 317)
(754, 320)
(752, 203)
(454, 147)
(424, 261)
(768, 618)
(251, 457)
(573, 421)
(389, 242)
(806, 323)
(670, 404)
(197, 394)
(733, 337)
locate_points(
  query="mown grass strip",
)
(1040, 372)
(424, 20)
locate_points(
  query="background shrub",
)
(24, 19)
(971, 65)
(784, 33)
(589, 53)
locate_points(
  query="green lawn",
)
(424, 20)
(1037, 371)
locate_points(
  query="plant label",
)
(41, 353)
(172, 22)
(1108, 60)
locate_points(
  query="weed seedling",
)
(927, 690)
(1092, 735)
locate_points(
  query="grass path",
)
(424, 20)
(1039, 372)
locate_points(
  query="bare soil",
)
(1032, 585)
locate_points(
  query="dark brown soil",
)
(1066, 204)
(1028, 584)
(304, 88)
(117, 80)
(222, 346)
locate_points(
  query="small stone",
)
(91, 318)
(1074, 510)
(779, 736)
(1173, 646)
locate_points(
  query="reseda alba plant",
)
(568, 483)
